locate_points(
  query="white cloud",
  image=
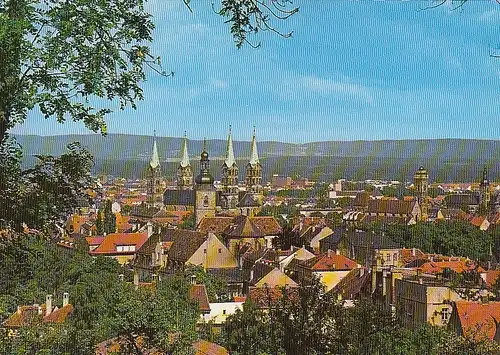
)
(490, 16)
(218, 83)
(343, 87)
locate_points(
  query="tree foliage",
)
(104, 307)
(106, 219)
(45, 193)
(308, 321)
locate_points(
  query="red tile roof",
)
(111, 241)
(333, 262)
(477, 319)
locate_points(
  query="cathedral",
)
(199, 194)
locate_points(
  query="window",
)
(223, 311)
(388, 257)
(220, 250)
(205, 201)
(445, 314)
(204, 251)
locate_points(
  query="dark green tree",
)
(109, 218)
(188, 222)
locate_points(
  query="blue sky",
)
(354, 70)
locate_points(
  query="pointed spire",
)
(155, 159)
(229, 151)
(204, 144)
(254, 155)
(185, 156)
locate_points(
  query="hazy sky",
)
(353, 70)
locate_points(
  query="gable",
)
(212, 254)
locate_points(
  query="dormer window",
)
(125, 248)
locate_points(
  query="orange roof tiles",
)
(203, 347)
(492, 276)
(477, 319)
(111, 241)
(456, 265)
(477, 221)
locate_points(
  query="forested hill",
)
(446, 159)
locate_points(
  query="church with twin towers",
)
(198, 193)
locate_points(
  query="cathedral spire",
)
(229, 151)
(155, 159)
(254, 155)
(185, 156)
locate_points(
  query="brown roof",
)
(263, 297)
(216, 225)
(203, 347)
(361, 199)
(200, 347)
(28, 315)
(185, 243)
(267, 225)
(390, 206)
(244, 228)
(199, 293)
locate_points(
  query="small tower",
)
(155, 196)
(253, 172)
(484, 192)
(204, 189)
(229, 179)
(421, 182)
(184, 171)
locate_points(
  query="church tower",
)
(484, 192)
(253, 172)
(155, 196)
(205, 192)
(229, 181)
(421, 182)
(184, 171)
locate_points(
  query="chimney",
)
(413, 251)
(121, 277)
(421, 281)
(136, 279)
(150, 229)
(65, 299)
(251, 274)
(155, 277)
(329, 253)
(18, 309)
(38, 308)
(48, 305)
(193, 279)
(337, 251)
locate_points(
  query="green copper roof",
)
(185, 157)
(254, 155)
(155, 159)
(229, 151)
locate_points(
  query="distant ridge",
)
(446, 159)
